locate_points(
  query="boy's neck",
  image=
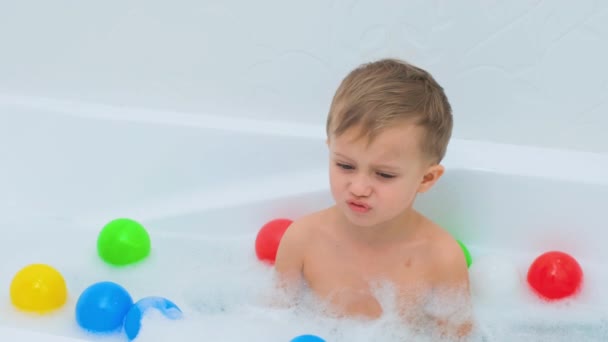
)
(401, 227)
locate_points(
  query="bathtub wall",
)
(524, 72)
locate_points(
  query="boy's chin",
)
(361, 221)
(368, 220)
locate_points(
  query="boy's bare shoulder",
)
(446, 255)
(300, 233)
(305, 227)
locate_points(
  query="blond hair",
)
(383, 93)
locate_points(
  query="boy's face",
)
(374, 183)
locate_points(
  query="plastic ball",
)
(38, 288)
(101, 308)
(133, 319)
(467, 254)
(307, 338)
(123, 241)
(555, 275)
(494, 278)
(268, 239)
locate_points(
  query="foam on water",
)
(225, 295)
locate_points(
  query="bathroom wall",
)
(522, 72)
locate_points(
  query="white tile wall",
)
(525, 72)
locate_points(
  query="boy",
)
(388, 128)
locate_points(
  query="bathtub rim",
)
(462, 154)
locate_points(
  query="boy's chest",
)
(346, 277)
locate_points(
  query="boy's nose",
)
(361, 187)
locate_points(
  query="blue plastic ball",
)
(307, 338)
(101, 308)
(133, 319)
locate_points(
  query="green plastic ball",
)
(467, 254)
(122, 242)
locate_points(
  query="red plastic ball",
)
(268, 239)
(555, 275)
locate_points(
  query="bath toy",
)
(268, 239)
(38, 288)
(133, 319)
(494, 278)
(307, 338)
(123, 241)
(555, 275)
(467, 254)
(101, 308)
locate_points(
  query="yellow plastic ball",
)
(38, 288)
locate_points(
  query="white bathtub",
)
(200, 183)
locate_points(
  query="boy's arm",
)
(450, 306)
(289, 263)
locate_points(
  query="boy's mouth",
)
(358, 207)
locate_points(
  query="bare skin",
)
(341, 269)
(373, 234)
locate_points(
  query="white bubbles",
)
(494, 278)
(222, 289)
(224, 293)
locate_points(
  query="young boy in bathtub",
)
(387, 131)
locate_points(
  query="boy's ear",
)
(431, 176)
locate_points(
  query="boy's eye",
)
(345, 166)
(385, 175)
